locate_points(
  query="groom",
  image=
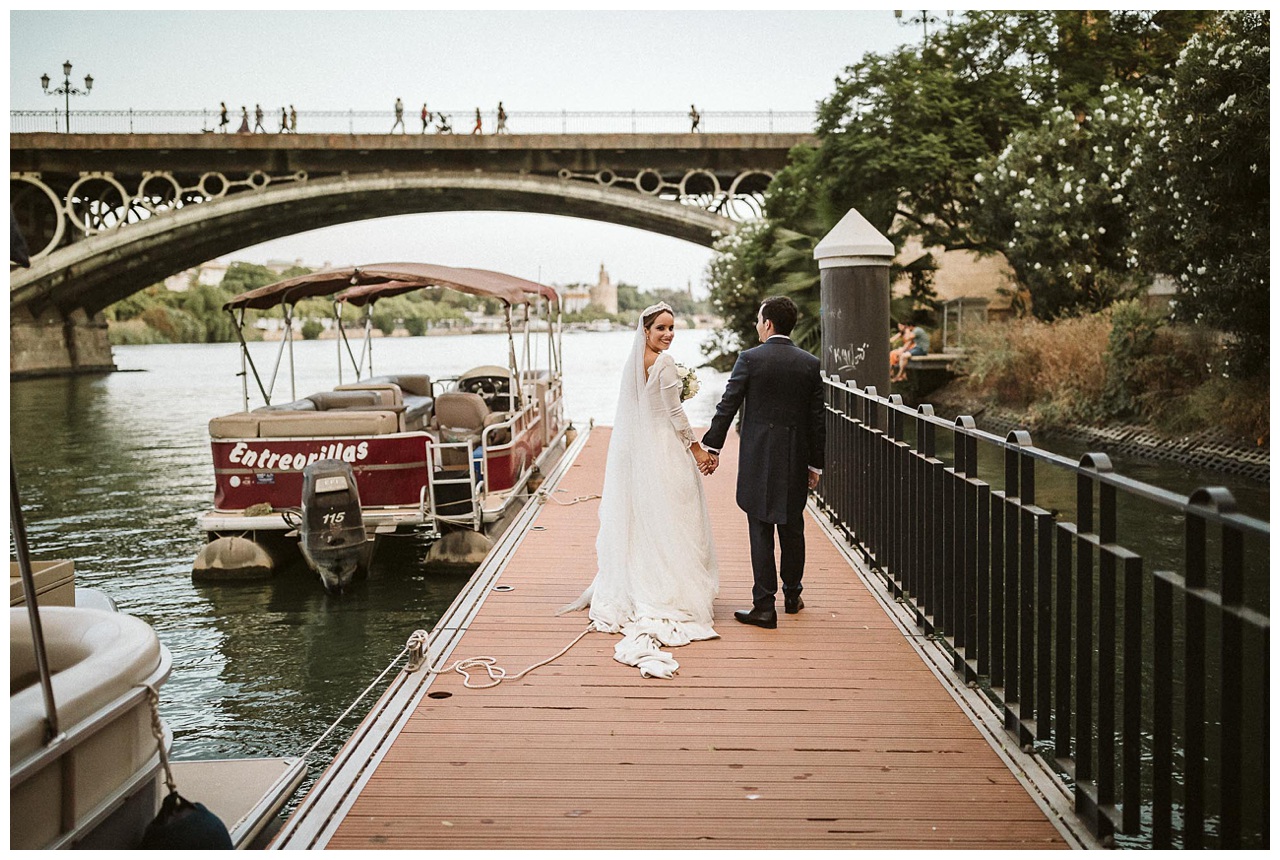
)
(783, 433)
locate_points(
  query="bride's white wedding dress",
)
(657, 576)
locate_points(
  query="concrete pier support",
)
(853, 262)
(56, 344)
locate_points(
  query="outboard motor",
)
(332, 531)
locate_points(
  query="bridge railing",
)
(1135, 665)
(381, 122)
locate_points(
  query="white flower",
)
(1088, 270)
(1102, 229)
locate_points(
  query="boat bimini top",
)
(361, 286)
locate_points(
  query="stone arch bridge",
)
(105, 215)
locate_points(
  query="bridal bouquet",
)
(689, 384)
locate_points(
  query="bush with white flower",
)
(1057, 198)
(1204, 213)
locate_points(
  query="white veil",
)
(631, 444)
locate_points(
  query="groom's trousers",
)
(791, 540)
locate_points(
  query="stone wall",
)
(53, 344)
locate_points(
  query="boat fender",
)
(184, 825)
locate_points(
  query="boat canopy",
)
(360, 285)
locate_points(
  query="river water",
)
(115, 468)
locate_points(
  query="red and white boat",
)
(446, 457)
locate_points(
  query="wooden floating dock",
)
(833, 731)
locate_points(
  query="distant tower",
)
(604, 293)
(688, 288)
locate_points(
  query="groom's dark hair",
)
(780, 311)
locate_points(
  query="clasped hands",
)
(707, 462)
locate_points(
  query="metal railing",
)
(1137, 669)
(382, 121)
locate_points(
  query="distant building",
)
(208, 274)
(605, 293)
(575, 298)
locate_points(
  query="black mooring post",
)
(853, 263)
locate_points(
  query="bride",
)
(656, 566)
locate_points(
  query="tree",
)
(242, 277)
(1206, 213)
(204, 302)
(311, 329)
(1057, 200)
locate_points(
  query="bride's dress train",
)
(657, 576)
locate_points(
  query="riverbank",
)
(1207, 449)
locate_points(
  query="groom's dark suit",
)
(783, 434)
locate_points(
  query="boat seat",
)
(361, 421)
(357, 422)
(388, 392)
(341, 399)
(461, 413)
(411, 384)
(303, 405)
(418, 412)
(461, 416)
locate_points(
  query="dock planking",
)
(828, 732)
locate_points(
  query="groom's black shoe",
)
(792, 605)
(766, 618)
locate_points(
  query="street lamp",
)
(923, 18)
(66, 89)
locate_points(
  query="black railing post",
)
(1162, 751)
(1194, 682)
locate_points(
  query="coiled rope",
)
(489, 665)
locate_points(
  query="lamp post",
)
(66, 90)
(923, 18)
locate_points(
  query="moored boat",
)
(447, 458)
(87, 747)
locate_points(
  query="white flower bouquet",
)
(689, 384)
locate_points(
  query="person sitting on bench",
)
(915, 342)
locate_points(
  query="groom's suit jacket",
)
(783, 427)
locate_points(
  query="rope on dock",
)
(497, 674)
(407, 647)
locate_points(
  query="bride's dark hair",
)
(653, 315)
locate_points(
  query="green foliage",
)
(1133, 332)
(629, 298)
(174, 324)
(738, 275)
(311, 329)
(1206, 216)
(133, 332)
(205, 304)
(242, 277)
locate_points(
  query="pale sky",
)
(721, 60)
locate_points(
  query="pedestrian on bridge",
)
(244, 121)
(223, 122)
(293, 120)
(695, 118)
(426, 118)
(284, 121)
(257, 120)
(502, 120)
(399, 118)
(477, 129)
